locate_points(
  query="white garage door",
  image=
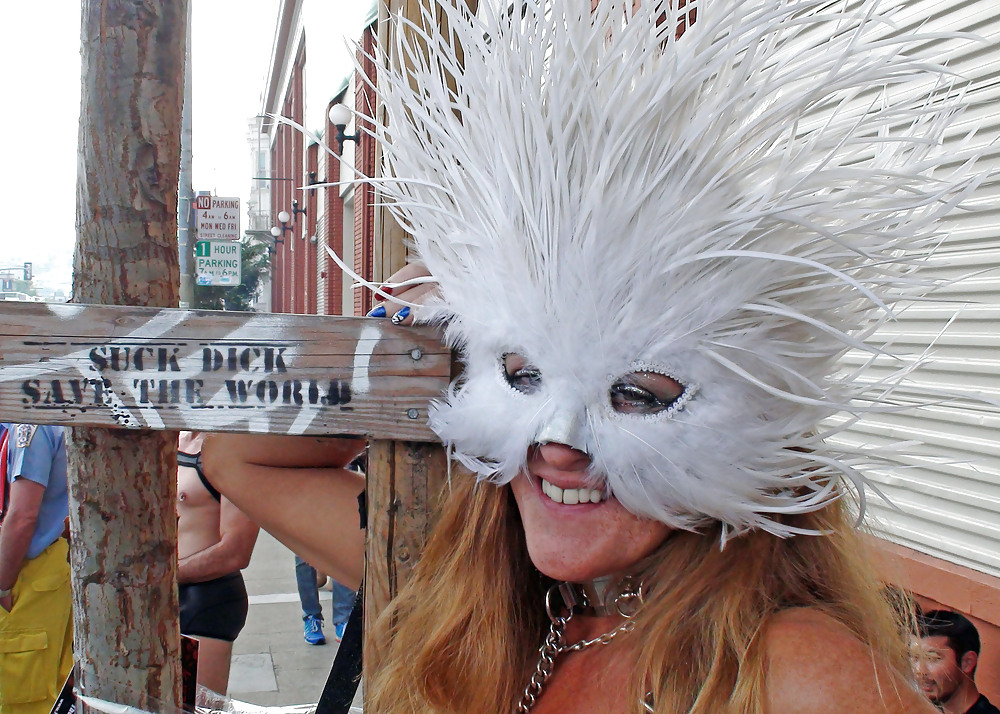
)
(946, 495)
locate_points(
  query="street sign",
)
(218, 218)
(217, 262)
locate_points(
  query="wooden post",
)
(405, 479)
(123, 484)
(404, 483)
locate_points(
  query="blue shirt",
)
(42, 461)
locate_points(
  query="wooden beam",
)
(404, 479)
(160, 368)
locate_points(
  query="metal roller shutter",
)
(945, 492)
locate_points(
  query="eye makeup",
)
(520, 374)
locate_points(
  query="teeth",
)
(571, 496)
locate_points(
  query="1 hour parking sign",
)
(217, 262)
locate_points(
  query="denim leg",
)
(305, 578)
(343, 603)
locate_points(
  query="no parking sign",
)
(218, 218)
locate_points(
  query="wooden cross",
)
(173, 369)
(136, 368)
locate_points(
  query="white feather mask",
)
(734, 208)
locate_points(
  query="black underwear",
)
(194, 461)
(215, 608)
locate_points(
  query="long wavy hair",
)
(463, 635)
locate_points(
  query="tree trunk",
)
(123, 484)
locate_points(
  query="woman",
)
(652, 246)
(763, 625)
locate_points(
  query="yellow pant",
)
(36, 636)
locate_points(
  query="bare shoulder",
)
(815, 665)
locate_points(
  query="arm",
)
(816, 666)
(237, 534)
(297, 489)
(18, 528)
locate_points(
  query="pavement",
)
(272, 664)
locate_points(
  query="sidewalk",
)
(272, 664)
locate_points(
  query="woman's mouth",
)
(571, 496)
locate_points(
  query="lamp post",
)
(279, 232)
(340, 117)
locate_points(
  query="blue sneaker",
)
(314, 630)
(339, 630)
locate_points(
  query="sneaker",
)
(338, 629)
(314, 630)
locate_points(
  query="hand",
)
(7, 603)
(399, 313)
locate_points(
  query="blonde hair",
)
(464, 633)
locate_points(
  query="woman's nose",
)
(563, 457)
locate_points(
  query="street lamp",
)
(340, 116)
(287, 221)
(279, 233)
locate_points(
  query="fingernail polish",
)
(377, 311)
(400, 316)
(385, 289)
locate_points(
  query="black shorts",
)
(215, 608)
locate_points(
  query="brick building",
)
(304, 279)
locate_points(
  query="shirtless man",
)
(214, 542)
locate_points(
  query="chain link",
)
(604, 639)
(547, 653)
(555, 645)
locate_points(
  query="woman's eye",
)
(521, 375)
(644, 393)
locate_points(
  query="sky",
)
(231, 43)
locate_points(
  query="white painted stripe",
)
(66, 311)
(156, 326)
(275, 598)
(100, 705)
(369, 338)
(303, 420)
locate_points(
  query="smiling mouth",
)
(571, 496)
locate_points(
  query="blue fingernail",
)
(377, 311)
(400, 316)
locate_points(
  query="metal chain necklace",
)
(555, 642)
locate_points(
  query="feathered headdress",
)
(732, 204)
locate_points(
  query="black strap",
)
(345, 676)
(342, 684)
(194, 461)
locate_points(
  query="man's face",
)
(937, 669)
